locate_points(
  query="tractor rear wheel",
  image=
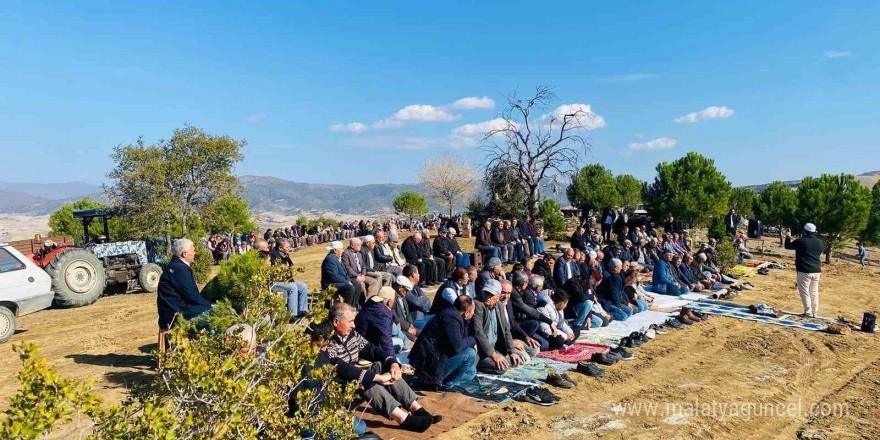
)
(78, 278)
(149, 277)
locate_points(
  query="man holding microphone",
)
(807, 251)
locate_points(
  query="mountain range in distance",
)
(266, 194)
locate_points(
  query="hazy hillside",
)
(866, 179)
(11, 201)
(51, 191)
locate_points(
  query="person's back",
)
(332, 271)
(374, 323)
(807, 253)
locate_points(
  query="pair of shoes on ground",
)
(589, 369)
(659, 329)
(420, 421)
(561, 380)
(540, 396)
(747, 285)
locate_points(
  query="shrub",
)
(725, 254)
(201, 266)
(717, 230)
(552, 219)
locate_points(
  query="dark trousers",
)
(606, 232)
(350, 294)
(530, 326)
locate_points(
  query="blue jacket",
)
(332, 271)
(178, 293)
(663, 275)
(442, 338)
(559, 271)
(375, 323)
(442, 297)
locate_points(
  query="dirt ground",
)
(724, 360)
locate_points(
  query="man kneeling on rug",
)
(492, 330)
(443, 355)
(383, 385)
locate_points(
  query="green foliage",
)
(838, 205)
(234, 279)
(743, 201)
(302, 220)
(411, 204)
(691, 189)
(478, 211)
(322, 221)
(593, 187)
(630, 190)
(202, 264)
(507, 197)
(45, 399)
(871, 235)
(716, 228)
(229, 214)
(725, 254)
(208, 384)
(776, 205)
(171, 183)
(62, 222)
(552, 219)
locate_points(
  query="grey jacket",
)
(480, 327)
(350, 261)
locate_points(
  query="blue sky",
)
(791, 87)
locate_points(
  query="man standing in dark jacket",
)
(807, 251)
(444, 355)
(609, 215)
(178, 292)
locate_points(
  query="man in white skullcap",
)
(807, 252)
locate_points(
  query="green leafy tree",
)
(593, 187)
(163, 187)
(478, 211)
(411, 204)
(507, 198)
(302, 220)
(549, 211)
(838, 205)
(776, 205)
(630, 190)
(743, 201)
(229, 214)
(871, 234)
(62, 222)
(725, 254)
(691, 189)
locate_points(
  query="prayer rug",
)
(493, 388)
(578, 352)
(457, 409)
(738, 312)
(533, 372)
(636, 323)
(593, 336)
(742, 271)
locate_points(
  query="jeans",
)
(531, 326)
(398, 338)
(491, 251)
(669, 289)
(460, 368)
(539, 243)
(462, 260)
(420, 323)
(533, 249)
(618, 313)
(642, 305)
(583, 311)
(518, 251)
(297, 296)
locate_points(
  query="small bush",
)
(725, 254)
(717, 230)
(552, 219)
(201, 266)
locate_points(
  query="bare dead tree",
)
(541, 146)
(449, 180)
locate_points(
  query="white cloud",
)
(837, 54)
(353, 127)
(416, 113)
(629, 77)
(656, 144)
(706, 114)
(396, 142)
(257, 118)
(585, 118)
(473, 102)
(469, 135)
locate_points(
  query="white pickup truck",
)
(24, 288)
